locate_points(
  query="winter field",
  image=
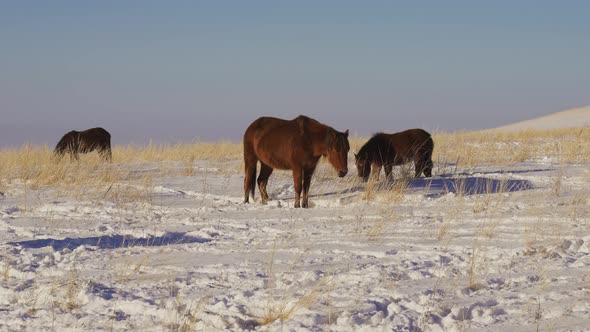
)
(159, 240)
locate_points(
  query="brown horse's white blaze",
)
(295, 145)
(388, 150)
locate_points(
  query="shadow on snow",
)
(440, 186)
(112, 241)
(466, 186)
(499, 171)
(437, 187)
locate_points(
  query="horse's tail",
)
(250, 161)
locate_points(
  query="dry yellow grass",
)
(35, 166)
(468, 149)
(218, 151)
(30, 167)
(288, 305)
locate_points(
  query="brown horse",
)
(76, 142)
(295, 145)
(388, 150)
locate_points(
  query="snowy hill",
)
(573, 118)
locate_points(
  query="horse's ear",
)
(346, 132)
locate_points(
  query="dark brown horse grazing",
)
(295, 145)
(76, 142)
(388, 150)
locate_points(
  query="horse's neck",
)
(379, 148)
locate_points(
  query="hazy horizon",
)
(184, 71)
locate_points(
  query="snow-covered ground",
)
(488, 248)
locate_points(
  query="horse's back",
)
(422, 139)
(69, 135)
(412, 134)
(98, 132)
(261, 129)
(409, 142)
(276, 141)
(261, 125)
(410, 137)
(275, 129)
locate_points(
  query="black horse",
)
(388, 150)
(76, 142)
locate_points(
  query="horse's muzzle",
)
(342, 173)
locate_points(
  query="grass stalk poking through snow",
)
(281, 307)
(6, 268)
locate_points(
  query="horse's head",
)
(338, 148)
(363, 165)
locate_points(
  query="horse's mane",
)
(308, 124)
(69, 133)
(373, 144)
(303, 120)
(65, 140)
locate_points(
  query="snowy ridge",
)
(573, 118)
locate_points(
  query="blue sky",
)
(180, 71)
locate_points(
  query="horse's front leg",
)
(375, 170)
(297, 182)
(306, 184)
(74, 156)
(109, 155)
(387, 168)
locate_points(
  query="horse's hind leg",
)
(249, 180)
(423, 164)
(426, 160)
(426, 157)
(307, 173)
(387, 168)
(297, 183)
(420, 163)
(428, 168)
(265, 172)
(250, 162)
